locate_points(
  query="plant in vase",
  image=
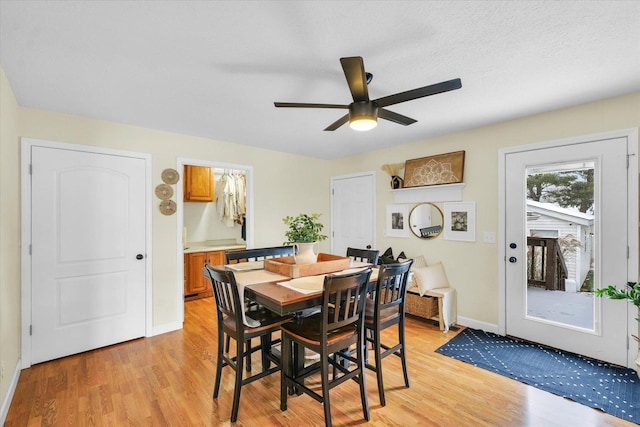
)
(304, 233)
(631, 294)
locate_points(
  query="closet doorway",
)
(198, 222)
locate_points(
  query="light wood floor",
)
(168, 380)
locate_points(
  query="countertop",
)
(212, 245)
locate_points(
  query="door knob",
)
(368, 246)
(513, 245)
(513, 259)
(139, 256)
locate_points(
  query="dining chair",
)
(339, 325)
(256, 254)
(387, 309)
(364, 255)
(230, 318)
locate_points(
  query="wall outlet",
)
(489, 237)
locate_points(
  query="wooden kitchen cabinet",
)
(198, 184)
(196, 285)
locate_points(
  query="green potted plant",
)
(304, 233)
(631, 294)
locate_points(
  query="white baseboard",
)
(476, 324)
(167, 327)
(6, 402)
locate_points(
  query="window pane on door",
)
(560, 221)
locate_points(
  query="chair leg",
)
(362, 348)
(216, 387)
(248, 355)
(238, 386)
(265, 348)
(403, 352)
(376, 346)
(324, 371)
(285, 366)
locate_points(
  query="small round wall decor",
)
(164, 191)
(168, 207)
(170, 176)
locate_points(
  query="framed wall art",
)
(434, 170)
(460, 221)
(397, 221)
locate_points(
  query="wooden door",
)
(196, 282)
(198, 184)
(88, 225)
(216, 258)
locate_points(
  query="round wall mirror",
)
(426, 220)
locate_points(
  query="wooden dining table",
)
(284, 300)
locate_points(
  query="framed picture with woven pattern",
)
(434, 170)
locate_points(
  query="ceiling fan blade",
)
(356, 79)
(335, 125)
(305, 105)
(395, 117)
(419, 93)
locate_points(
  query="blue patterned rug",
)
(610, 388)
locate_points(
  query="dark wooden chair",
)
(230, 324)
(364, 255)
(257, 254)
(338, 326)
(387, 309)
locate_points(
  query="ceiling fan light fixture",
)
(363, 116)
(363, 123)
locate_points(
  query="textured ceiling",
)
(214, 69)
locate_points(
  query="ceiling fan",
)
(363, 113)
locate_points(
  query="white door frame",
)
(248, 170)
(372, 175)
(25, 194)
(632, 214)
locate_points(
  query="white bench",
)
(436, 304)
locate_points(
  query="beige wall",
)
(473, 267)
(9, 236)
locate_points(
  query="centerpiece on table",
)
(303, 234)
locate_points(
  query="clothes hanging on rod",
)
(230, 198)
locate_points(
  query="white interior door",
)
(353, 212)
(530, 312)
(88, 247)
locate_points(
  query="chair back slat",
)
(343, 299)
(364, 255)
(225, 292)
(391, 288)
(257, 254)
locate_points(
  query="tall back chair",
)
(337, 326)
(364, 255)
(257, 254)
(385, 310)
(230, 323)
